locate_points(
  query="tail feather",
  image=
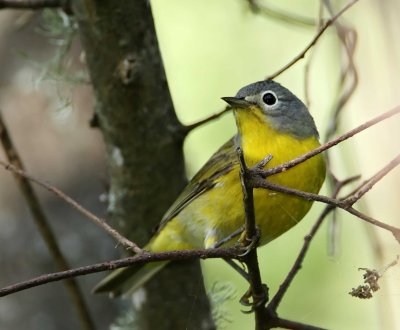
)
(126, 281)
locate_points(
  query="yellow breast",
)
(278, 212)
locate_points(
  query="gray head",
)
(285, 112)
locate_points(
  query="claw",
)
(245, 299)
(257, 300)
(246, 245)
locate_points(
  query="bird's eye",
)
(269, 98)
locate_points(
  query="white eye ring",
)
(269, 98)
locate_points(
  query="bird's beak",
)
(236, 102)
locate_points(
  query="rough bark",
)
(145, 159)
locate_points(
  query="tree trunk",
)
(145, 159)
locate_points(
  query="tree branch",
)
(301, 55)
(258, 182)
(281, 15)
(144, 257)
(328, 145)
(275, 301)
(367, 185)
(42, 224)
(98, 221)
(185, 129)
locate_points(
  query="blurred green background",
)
(210, 49)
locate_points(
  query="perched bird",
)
(270, 121)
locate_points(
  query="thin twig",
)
(273, 305)
(43, 226)
(144, 257)
(328, 145)
(307, 67)
(185, 129)
(348, 39)
(281, 15)
(258, 182)
(275, 301)
(313, 41)
(98, 221)
(367, 186)
(394, 230)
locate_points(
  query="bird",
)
(270, 120)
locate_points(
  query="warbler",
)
(270, 121)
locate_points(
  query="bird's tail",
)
(125, 281)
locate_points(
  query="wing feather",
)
(219, 164)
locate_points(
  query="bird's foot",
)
(245, 244)
(254, 301)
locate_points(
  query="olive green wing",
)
(219, 164)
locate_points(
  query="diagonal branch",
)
(98, 221)
(367, 186)
(328, 145)
(185, 129)
(275, 301)
(312, 43)
(43, 226)
(261, 183)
